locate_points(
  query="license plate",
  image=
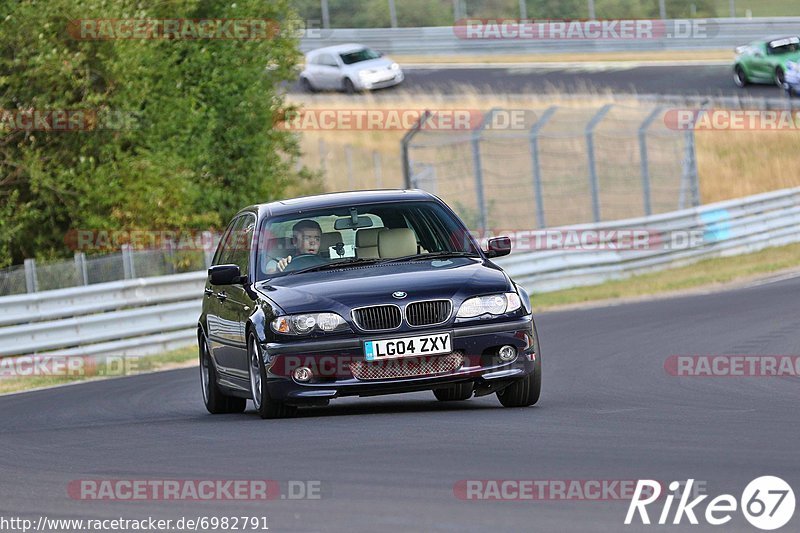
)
(407, 347)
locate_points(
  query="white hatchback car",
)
(350, 68)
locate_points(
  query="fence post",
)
(404, 145)
(593, 180)
(537, 170)
(689, 178)
(31, 281)
(376, 163)
(127, 262)
(644, 161)
(80, 268)
(478, 168)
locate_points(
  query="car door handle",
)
(222, 296)
(208, 292)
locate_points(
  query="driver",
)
(306, 236)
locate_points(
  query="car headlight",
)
(495, 304)
(395, 66)
(306, 323)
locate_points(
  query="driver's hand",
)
(283, 263)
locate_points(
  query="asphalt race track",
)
(689, 80)
(609, 411)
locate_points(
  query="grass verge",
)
(88, 370)
(709, 273)
(666, 56)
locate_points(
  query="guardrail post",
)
(127, 262)
(478, 168)
(404, 145)
(31, 281)
(593, 180)
(645, 163)
(535, 165)
(80, 268)
(376, 164)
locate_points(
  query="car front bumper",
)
(330, 362)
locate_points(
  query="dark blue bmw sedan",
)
(361, 294)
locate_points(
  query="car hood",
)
(342, 290)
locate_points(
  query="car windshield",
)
(375, 233)
(784, 46)
(365, 54)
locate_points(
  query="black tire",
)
(780, 77)
(265, 406)
(348, 86)
(739, 77)
(456, 393)
(216, 402)
(306, 86)
(526, 391)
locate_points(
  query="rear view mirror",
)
(225, 275)
(347, 223)
(498, 247)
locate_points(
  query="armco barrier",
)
(149, 315)
(728, 228)
(714, 34)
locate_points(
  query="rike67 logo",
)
(767, 503)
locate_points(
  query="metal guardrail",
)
(134, 317)
(150, 315)
(726, 228)
(715, 33)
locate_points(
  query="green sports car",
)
(765, 61)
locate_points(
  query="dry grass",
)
(730, 164)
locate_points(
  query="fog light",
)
(507, 353)
(302, 374)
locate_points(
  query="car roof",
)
(334, 199)
(337, 49)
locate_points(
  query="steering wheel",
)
(302, 261)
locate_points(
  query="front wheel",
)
(266, 406)
(348, 86)
(216, 402)
(526, 391)
(739, 77)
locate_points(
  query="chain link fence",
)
(556, 166)
(34, 276)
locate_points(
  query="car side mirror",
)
(498, 247)
(225, 274)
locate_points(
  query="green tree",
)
(187, 134)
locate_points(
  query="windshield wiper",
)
(336, 264)
(432, 255)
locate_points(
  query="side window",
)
(328, 60)
(240, 251)
(223, 249)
